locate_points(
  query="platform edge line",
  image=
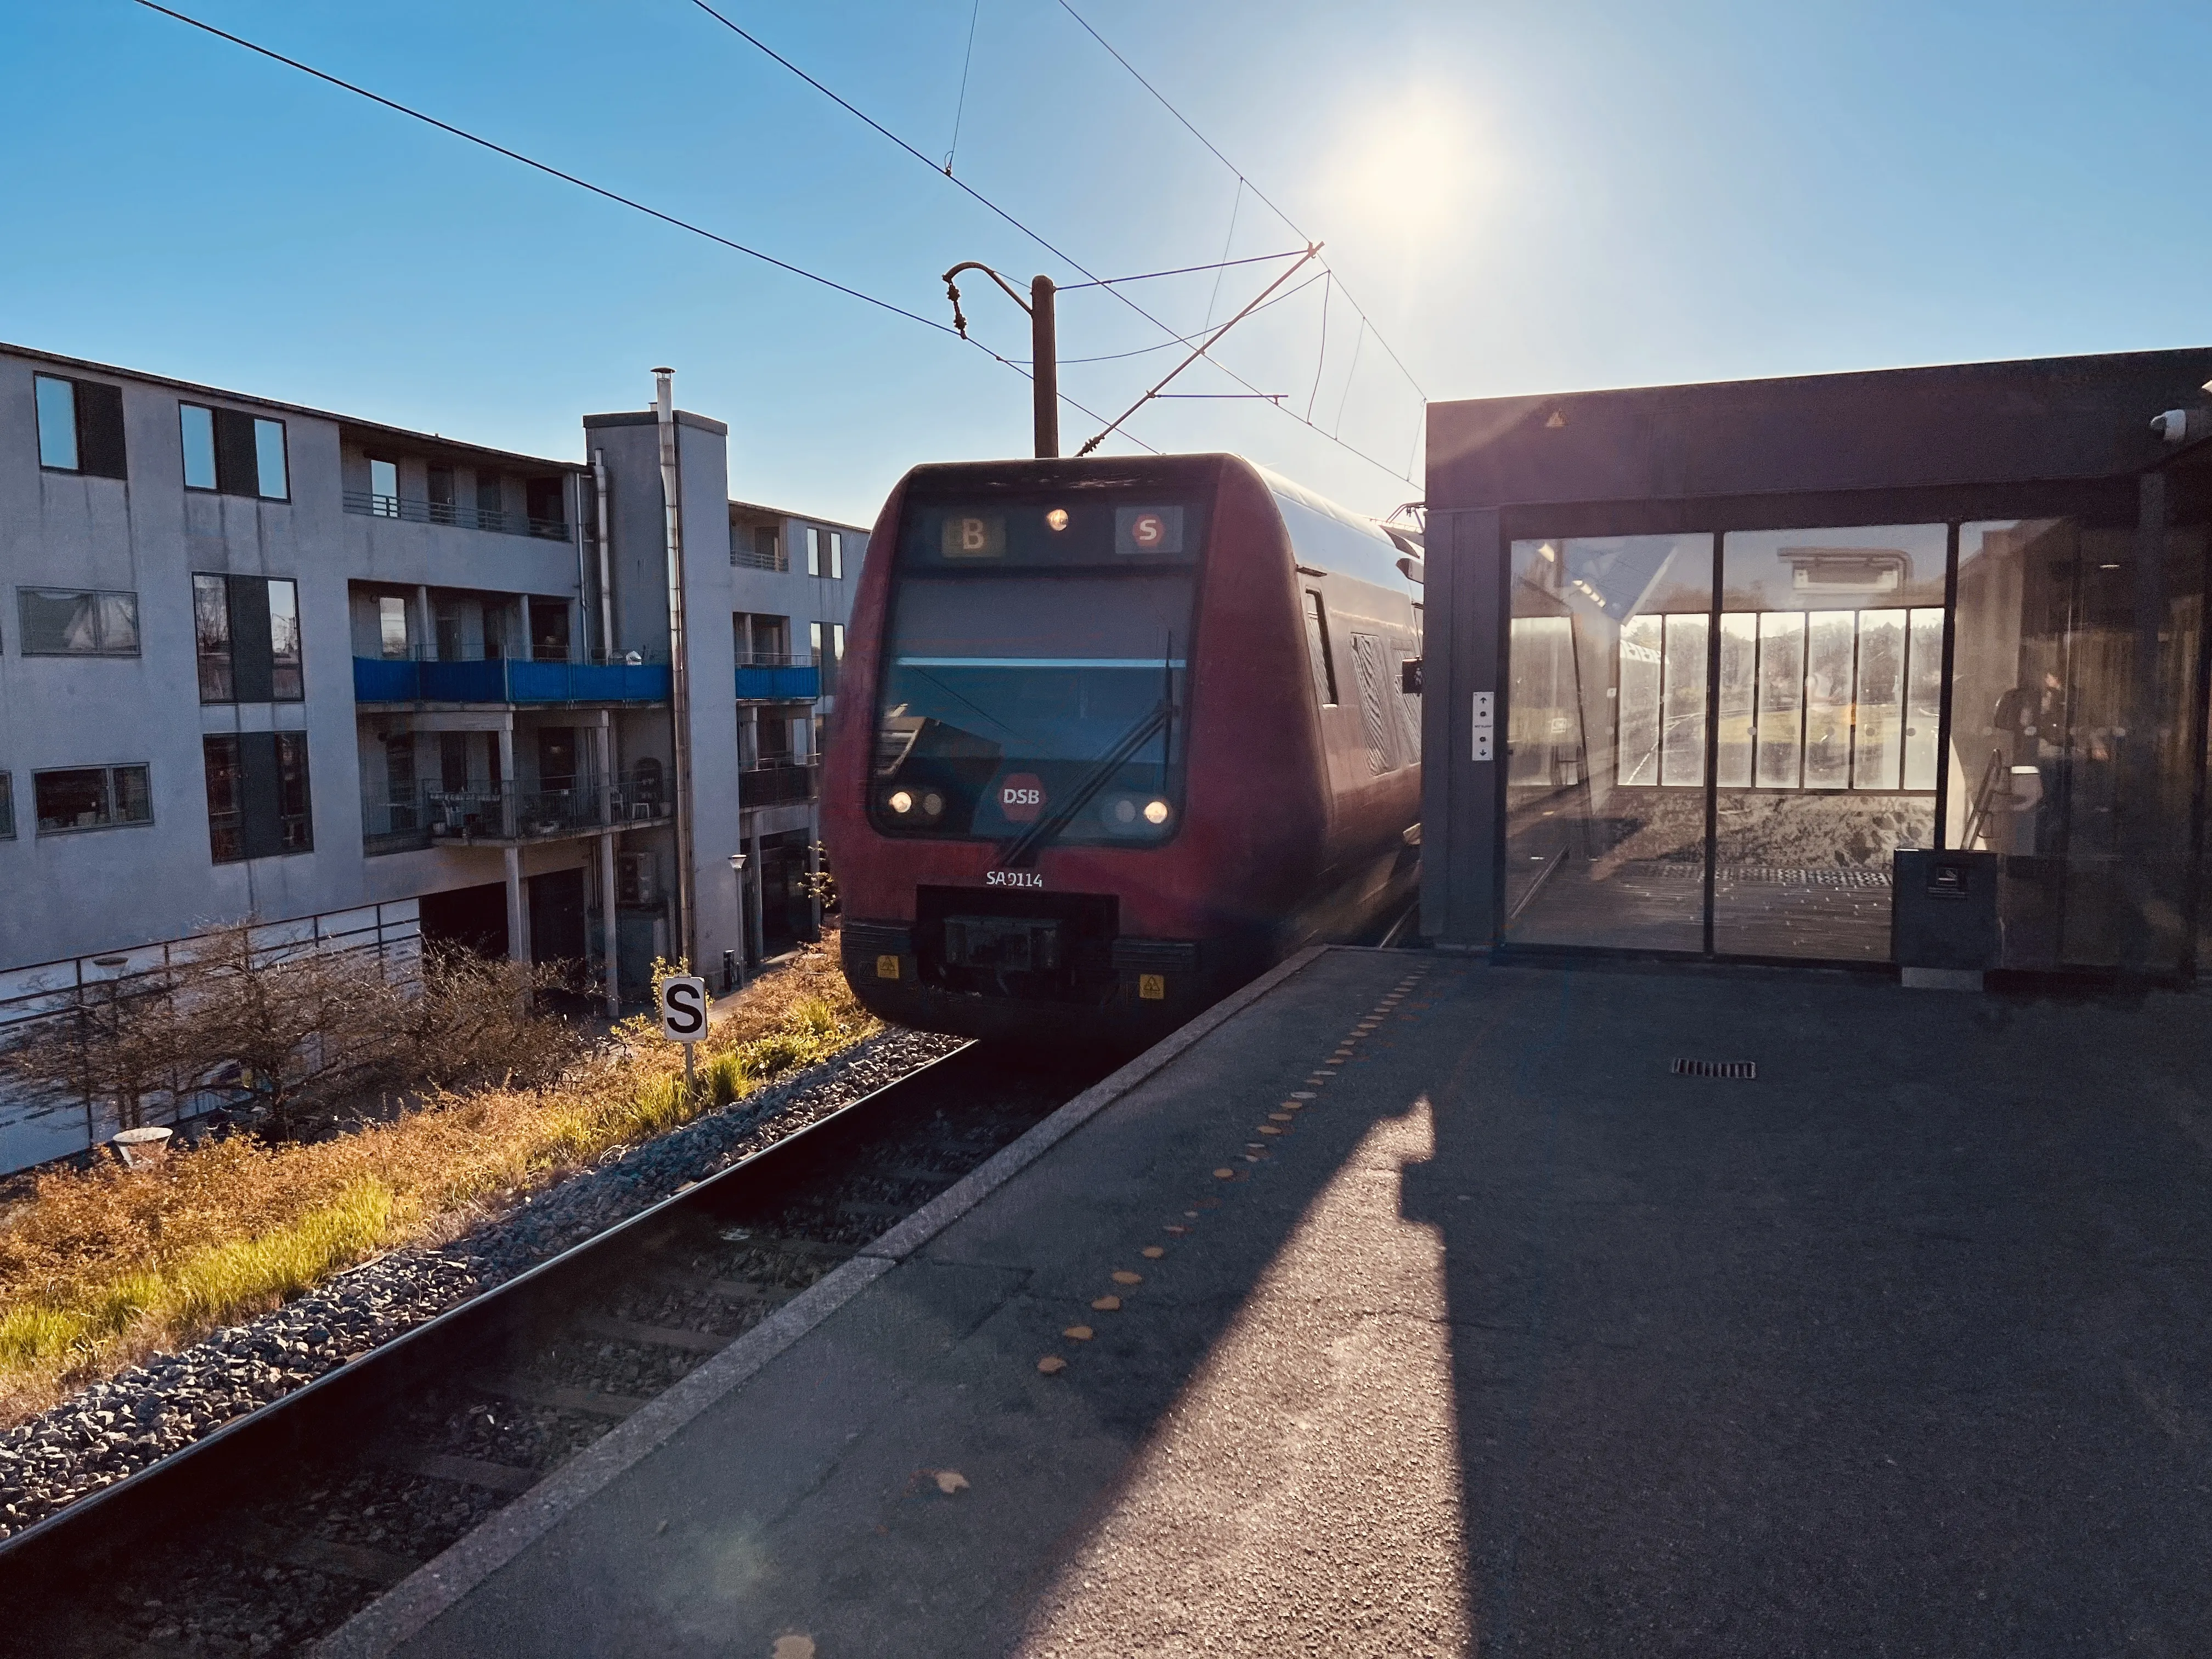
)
(1009, 1161)
(408, 1607)
(411, 1606)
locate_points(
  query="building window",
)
(234, 453)
(1324, 667)
(7, 807)
(835, 665)
(492, 503)
(256, 793)
(69, 623)
(442, 492)
(91, 797)
(548, 631)
(248, 633)
(813, 551)
(814, 643)
(383, 489)
(837, 556)
(80, 426)
(392, 625)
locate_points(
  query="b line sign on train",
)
(684, 1013)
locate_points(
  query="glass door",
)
(1831, 695)
(1606, 742)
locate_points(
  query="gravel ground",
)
(98, 1436)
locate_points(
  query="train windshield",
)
(1036, 669)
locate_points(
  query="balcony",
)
(507, 680)
(365, 504)
(766, 678)
(432, 816)
(777, 785)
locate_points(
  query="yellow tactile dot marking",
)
(1106, 1305)
(1225, 1174)
(1278, 1117)
(1079, 1333)
(1269, 1129)
(1052, 1363)
(1153, 1252)
(1123, 1276)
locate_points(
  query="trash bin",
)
(1943, 918)
(141, 1149)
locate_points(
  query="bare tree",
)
(299, 1028)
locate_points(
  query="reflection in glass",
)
(2070, 753)
(1605, 741)
(1682, 742)
(1739, 700)
(1780, 729)
(1801, 857)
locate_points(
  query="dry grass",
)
(100, 1268)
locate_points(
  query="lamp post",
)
(1044, 348)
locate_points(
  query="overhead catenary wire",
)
(960, 108)
(1185, 270)
(602, 191)
(1197, 352)
(1243, 179)
(1175, 335)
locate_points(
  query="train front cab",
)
(996, 883)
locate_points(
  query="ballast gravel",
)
(98, 1436)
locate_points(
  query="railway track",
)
(270, 1533)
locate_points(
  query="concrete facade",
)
(466, 724)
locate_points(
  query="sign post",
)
(684, 1017)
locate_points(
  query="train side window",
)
(1324, 670)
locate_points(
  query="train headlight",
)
(1057, 519)
(901, 802)
(932, 804)
(1125, 811)
(1156, 811)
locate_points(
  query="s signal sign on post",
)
(683, 1009)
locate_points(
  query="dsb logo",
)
(1021, 797)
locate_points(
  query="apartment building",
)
(369, 687)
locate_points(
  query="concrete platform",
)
(1511, 1341)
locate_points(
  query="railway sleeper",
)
(591, 1401)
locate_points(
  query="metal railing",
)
(777, 785)
(431, 815)
(368, 504)
(748, 558)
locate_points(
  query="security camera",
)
(2180, 425)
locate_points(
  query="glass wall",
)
(1832, 659)
(1787, 688)
(2073, 735)
(1606, 742)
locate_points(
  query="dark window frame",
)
(236, 434)
(260, 795)
(24, 646)
(109, 798)
(96, 423)
(250, 666)
(7, 807)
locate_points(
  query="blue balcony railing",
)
(778, 681)
(397, 679)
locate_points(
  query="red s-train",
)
(1111, 737)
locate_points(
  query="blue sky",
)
(1524, 198)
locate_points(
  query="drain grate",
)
(1728, 1068)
